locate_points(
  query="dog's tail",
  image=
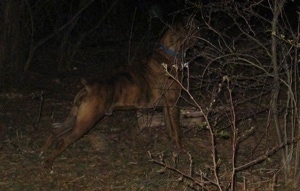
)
(89, 85)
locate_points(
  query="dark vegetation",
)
(243, 76)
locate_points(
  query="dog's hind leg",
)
(88, 115)
(60, 131)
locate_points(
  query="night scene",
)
(149, 95)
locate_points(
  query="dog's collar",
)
(168, 51)
(174, 54)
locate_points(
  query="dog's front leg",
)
(172, 121)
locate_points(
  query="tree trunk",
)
(11, 38)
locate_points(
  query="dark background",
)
(55, 38)
(60, 38)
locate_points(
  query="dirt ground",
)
(113, 156)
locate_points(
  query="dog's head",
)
(178, 38)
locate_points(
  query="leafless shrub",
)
(245, 68)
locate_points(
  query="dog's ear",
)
(186, 19)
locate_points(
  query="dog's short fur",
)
(145, 85)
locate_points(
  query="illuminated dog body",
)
(143, 86)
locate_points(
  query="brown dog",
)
(146, 85)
